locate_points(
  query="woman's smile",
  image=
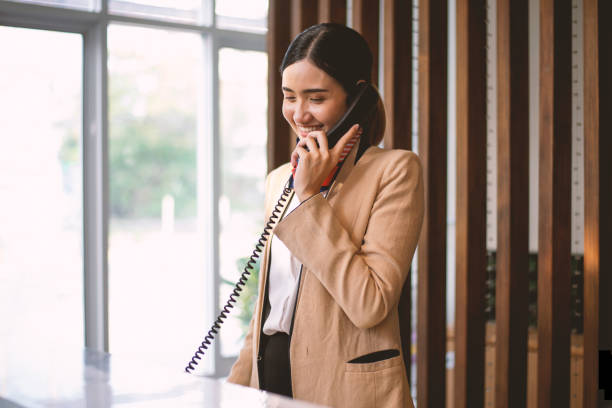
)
(304, 130)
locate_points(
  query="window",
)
(41, 262)
(71, 4)
(189, 11)
(137, 239)
(243, 143)
(242, 14)
(156, 263)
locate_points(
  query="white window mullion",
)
(95, 186)
(207, 196)
(215, 151)
(208, 13)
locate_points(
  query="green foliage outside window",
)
(150, 158)
(151, 155)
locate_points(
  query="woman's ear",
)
(351, 94)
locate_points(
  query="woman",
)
(326, 328)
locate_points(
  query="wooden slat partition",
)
(554, 204)
(605, 175)
(397, 33)
(471, 211)
(553, 333)
(365, 20)
(511, 295)
(332, 11)
(279, 140)
(598, 194)
(398, 133)
(432, 133)
(304, 13)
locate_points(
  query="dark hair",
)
(343, 54)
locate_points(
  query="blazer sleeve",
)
(365, 281)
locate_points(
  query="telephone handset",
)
(362, 106)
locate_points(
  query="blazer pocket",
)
(378, 360)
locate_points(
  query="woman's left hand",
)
(316, 161)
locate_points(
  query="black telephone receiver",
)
(364, 102)
(362, 106)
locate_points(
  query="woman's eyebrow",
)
(311, 90)
(315, 90)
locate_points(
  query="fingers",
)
(301, 150)
(339, 147)
(304, 142)
(310, 144)
(321, 139)
(294, 158)
(315, 146)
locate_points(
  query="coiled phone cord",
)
(242, 280)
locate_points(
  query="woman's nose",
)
(301, 113)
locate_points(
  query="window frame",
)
(93, 26)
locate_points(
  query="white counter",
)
(93, 379)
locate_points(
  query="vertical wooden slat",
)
(432, 132)
(554, 233)
(592, 207)
(511, 295)
(304, 13)
(279, 139)
(397, 60)
(332, 11)
(471, 195)
(365, 20)
(591, 210)
(398, 133)
(597, 310)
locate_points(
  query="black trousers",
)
(276, 376)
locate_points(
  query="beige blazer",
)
(356, 247)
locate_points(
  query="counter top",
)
(93, 379)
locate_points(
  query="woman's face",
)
(313, 100)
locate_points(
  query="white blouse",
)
(282, 283)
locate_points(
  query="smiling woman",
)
(326, 327)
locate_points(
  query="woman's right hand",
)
(316, 160)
